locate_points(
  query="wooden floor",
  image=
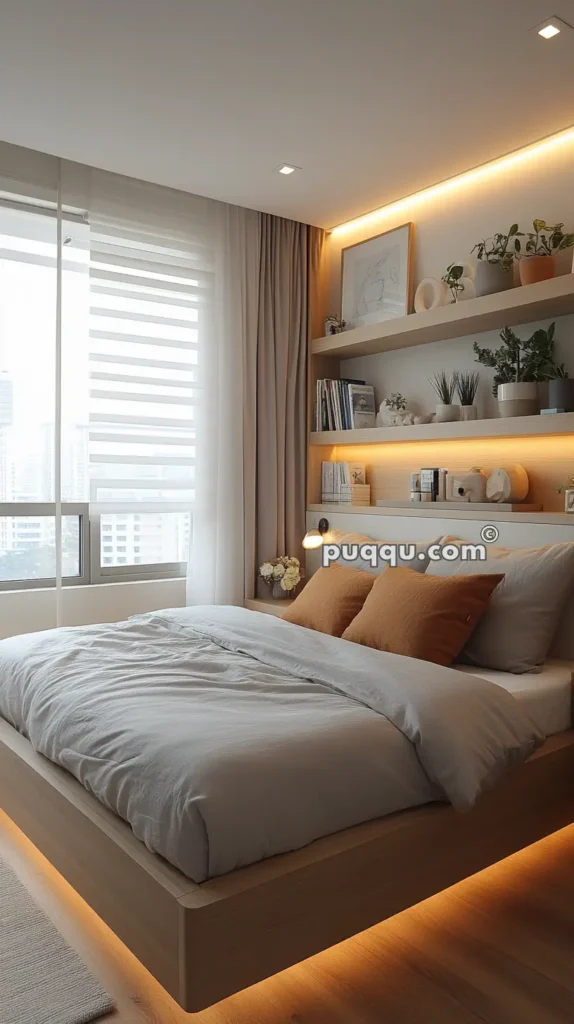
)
(496, 949)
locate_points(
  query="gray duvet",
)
(224, 736)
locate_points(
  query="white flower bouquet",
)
(283, 572)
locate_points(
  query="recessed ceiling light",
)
(287, 168)
(553, 27)
(549, 31)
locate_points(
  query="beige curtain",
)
(276, 484)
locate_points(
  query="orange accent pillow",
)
(407, 613)
(331, 599)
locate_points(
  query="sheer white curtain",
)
(222, 555)
(144, 376)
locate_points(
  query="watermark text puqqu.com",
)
(399, 554)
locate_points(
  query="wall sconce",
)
(314, 538)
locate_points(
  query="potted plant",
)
(568, 491)
(537, 261)
(282, 575)
(560, 389)
(467, 386)
(458, 283)
(334, 324)
(495, 260)
(519, 366)
(452, 278)
(445, 387)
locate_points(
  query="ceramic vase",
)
(447, 413)
(518, 399)
(468, 412)
(561, 394)
(491, 278)
(536, 268)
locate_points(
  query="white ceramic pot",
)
(468, 412)
(447, 413)
(569, 501)
(518, 399)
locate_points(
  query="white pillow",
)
(516, 630)
(419, 563)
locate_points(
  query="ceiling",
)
(373, 99)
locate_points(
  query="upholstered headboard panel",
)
(404, 528)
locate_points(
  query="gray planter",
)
(490, 278)
(561, 394)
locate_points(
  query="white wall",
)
(445, 231)
(25, 611)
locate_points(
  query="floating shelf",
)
(515, 426)
(521, 305)
(441, 510)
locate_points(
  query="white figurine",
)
(393, 412)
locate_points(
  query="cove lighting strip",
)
(472, 177)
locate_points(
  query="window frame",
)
(100, 573)
(47, 509)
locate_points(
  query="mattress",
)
(546, 696)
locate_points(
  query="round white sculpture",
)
(507, 484)
(430, 294)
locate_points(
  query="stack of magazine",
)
(344, 405)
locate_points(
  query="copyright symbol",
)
(489, 534)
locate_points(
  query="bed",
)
(209, 926)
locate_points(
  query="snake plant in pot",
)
(519, 365)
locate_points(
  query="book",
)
(335, 483)
(333, 406)
(363, 413)
(357, 472)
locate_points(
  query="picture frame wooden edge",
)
(410, 256)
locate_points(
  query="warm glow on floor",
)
(537, 151)
(355, 980)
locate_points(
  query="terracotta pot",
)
(490, 278)
(518, 399)
(536, 268)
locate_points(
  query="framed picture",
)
(376, 278)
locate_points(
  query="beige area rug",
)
(42, 980)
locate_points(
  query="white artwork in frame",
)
(376, 278)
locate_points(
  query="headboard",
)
(404, 526)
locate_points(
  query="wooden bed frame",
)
(204, 942)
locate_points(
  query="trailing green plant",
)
(531, 359)
(546, 239)
(452, 277)
(467, 386)
(500, 248)
(445, 386)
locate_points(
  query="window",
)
(129, 378)
(143, 376)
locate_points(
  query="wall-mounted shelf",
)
(520, 305)
(441, 510)
(515, 426)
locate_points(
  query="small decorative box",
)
(360, 494)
